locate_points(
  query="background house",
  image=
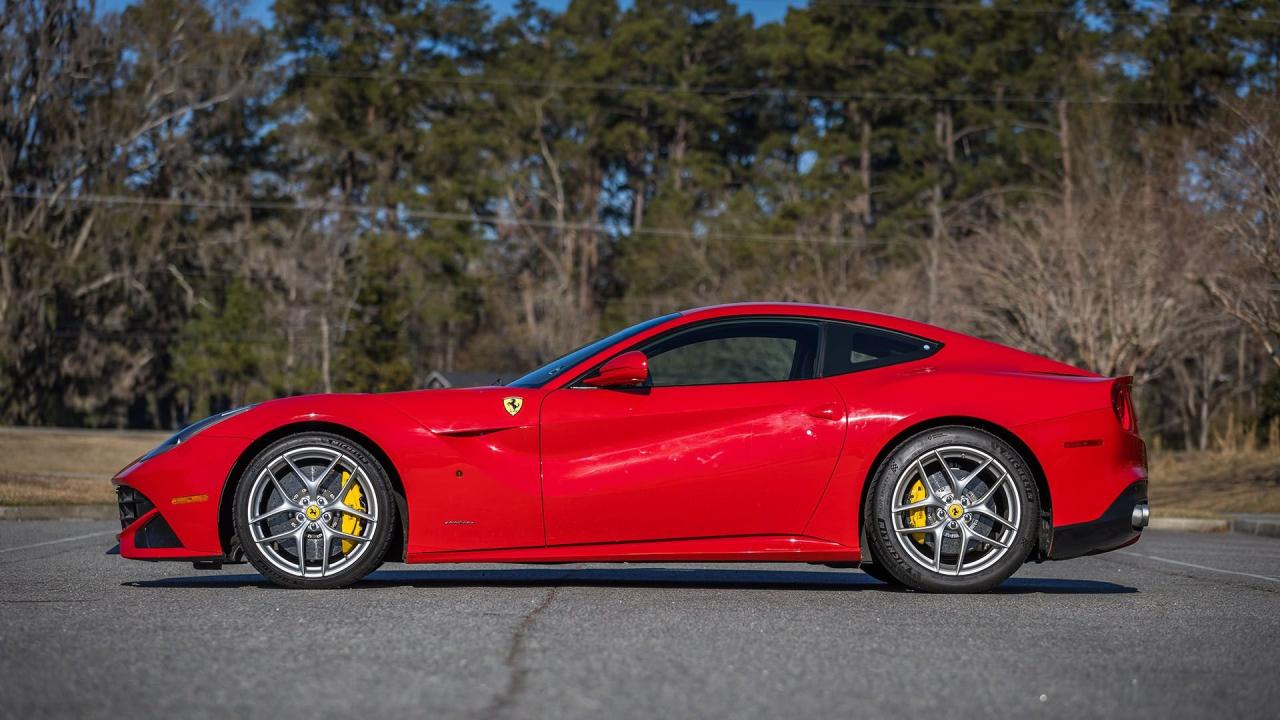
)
(439, 379)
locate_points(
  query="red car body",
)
(766, 471)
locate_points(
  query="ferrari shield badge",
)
(512, 404)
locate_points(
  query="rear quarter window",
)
(848, 348)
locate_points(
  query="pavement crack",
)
(516, 670)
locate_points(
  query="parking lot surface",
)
(1179, 625)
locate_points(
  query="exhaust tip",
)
(1141, 515)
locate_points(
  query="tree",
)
(370, 109)
(375, 353)
(198, 210)
(92, 290)
(1244, 182)
(1116, 298)
(225, 355)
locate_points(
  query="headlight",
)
(189, 431)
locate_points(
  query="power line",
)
(419, 213)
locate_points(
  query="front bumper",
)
(169, 504)
(140, 520)
(1120, 525)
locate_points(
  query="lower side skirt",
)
(751, 548)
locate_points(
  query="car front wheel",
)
(314, 510)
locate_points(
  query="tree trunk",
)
(326, 375)
(935, 195)
(862, 204)
(1068, 186)
(677, 153)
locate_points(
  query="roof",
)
(831, 312)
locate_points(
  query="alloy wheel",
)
(956, 510)
(312, 512)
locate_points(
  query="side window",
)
(857, 347)
(734, 352)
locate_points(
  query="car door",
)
(733, 436)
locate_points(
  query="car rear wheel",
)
(314, 510)
(953, 509)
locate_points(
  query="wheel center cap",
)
(955, 511)
(313, 512)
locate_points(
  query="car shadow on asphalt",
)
(635, 577)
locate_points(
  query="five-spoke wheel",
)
(313, 510)
(952, 509)
(966, 514)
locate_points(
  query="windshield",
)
(543, 375)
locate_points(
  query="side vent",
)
(156, 533)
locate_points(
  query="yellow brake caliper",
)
(917, 517)
(351, 524)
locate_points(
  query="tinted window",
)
(542, 375)
(857, 347)
(734, 352)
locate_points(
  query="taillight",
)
(1122, 403)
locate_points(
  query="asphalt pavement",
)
(1179, 625)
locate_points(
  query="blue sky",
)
(763, 10)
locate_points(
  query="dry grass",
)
(60, 467)
(1202, 484)
(46, 490)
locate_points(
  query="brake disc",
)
(979, 524)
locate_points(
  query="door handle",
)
(824, 411)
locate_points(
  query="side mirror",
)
(630, 369)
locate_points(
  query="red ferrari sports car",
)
(738, 433)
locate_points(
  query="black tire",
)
(379, 485)
(886, 547)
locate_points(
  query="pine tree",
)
(375, 354)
